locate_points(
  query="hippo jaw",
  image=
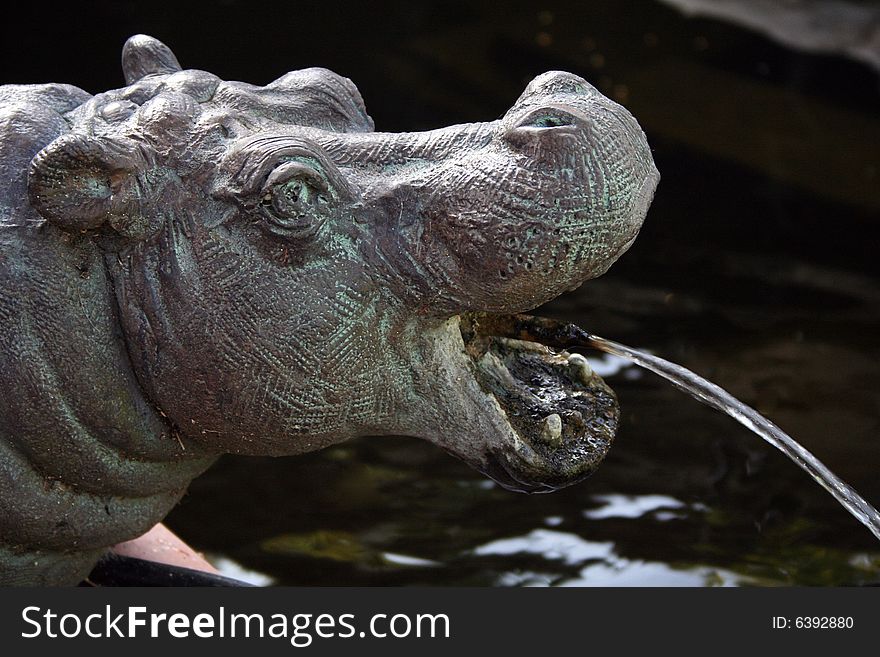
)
(563, 413)
(531, 419)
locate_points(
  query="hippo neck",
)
(78, 424)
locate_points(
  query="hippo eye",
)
(293, 200)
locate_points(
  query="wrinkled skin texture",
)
(191, 267)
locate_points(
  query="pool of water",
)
(757, 267)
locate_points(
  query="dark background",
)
(757, 266)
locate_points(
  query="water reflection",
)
(615, 505)
(601, 565)
(623, 572)
(571, 549)
(234, 570)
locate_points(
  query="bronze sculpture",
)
(191, 267)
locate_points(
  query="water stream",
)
(569, 335)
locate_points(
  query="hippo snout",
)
(533, 204)
(594, 177)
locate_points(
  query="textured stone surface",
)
(190, 266)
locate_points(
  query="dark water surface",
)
(757, 267)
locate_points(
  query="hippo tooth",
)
(580, 368)
(551, 432)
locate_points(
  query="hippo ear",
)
(79, 183)
(143, 55)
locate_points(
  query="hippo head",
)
(286, 278)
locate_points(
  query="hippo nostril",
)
(547, 122)
(552, 116)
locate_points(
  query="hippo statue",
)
(191, 267)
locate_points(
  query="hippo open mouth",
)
(562, 413)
